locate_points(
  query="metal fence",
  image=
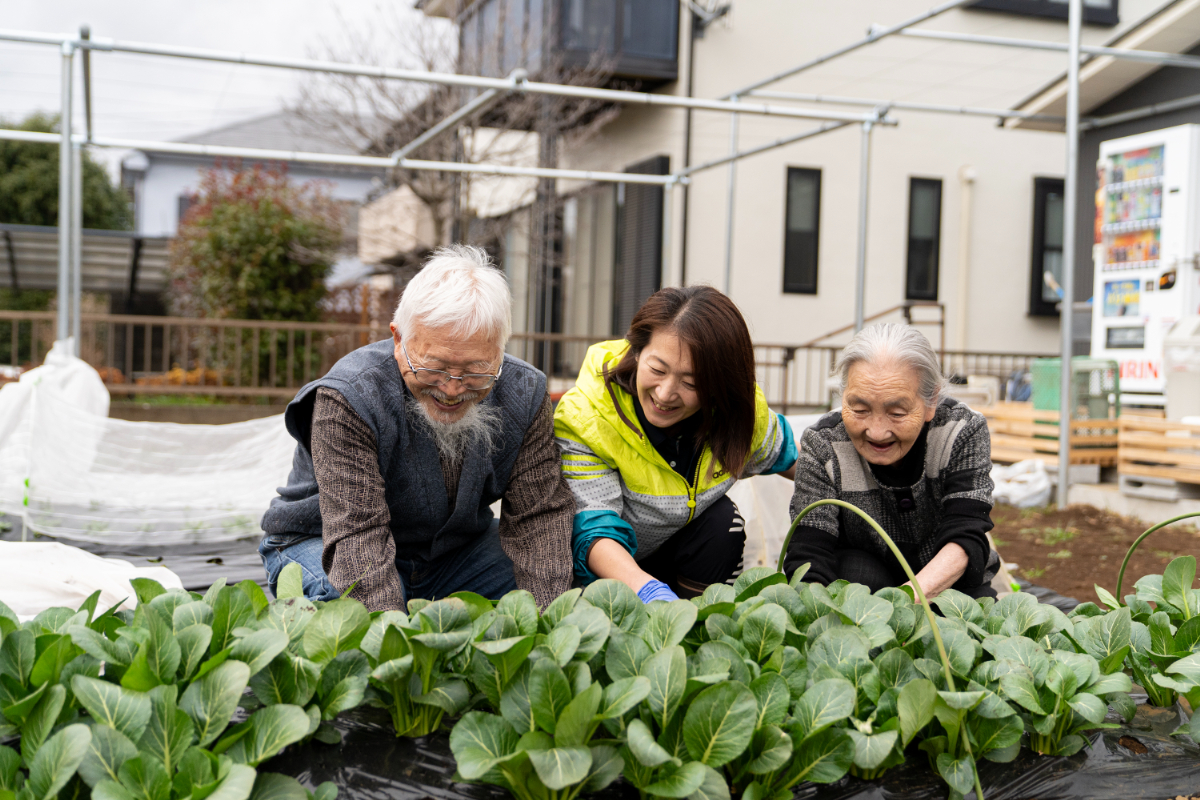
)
(141, 355)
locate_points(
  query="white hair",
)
(458, 288)
(901, 344)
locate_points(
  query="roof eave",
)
(1173, 29)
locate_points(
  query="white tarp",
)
(71, 472)
(35, 576)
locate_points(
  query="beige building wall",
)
(763, 37)
(395, 223)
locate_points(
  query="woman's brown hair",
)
(722, 363)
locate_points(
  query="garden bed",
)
(1070, 551)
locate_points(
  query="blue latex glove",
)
(656, 590)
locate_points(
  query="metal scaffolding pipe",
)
(729, 201)
(480, 103)
(666, 271)
(753, 151)
(874, 35)
(184, 148)
(85, 33)
(443, 78)
(1191, 101)
(65, 184)
(1070, 217)
(1148, 56)
(864, 189)
(76, 243)
(30, 136)
(901, 105)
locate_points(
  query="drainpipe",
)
(966, 182)
(687, 147)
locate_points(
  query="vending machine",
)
(1147, 239)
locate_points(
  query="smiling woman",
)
(918, 462)
(655, 432)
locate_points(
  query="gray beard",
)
(479, 427)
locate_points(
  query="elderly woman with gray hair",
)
(918, 462)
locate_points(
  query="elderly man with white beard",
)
(406, 443)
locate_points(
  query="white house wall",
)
(167, 179)
(766, 36)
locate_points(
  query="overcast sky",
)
(149, 97)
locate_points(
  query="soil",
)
(1071, 550)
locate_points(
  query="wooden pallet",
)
(1156, 448)
(1020, 432)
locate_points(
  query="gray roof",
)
(32, 253)
(283, 130)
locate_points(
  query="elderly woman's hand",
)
(942, 572)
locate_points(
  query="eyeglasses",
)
(437, 377)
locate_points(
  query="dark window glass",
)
(1047, 259)
(185, 204)
(637, 271)
(650, 28)
(800, 231)
(589, 25)
(924, 238)
(1096, 12)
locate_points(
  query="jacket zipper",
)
(693, 487)
(645, 442)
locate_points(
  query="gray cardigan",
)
(950, 501)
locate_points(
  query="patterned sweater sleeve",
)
(355, 521)
(535, 516)
(815, 540)
(967, 500)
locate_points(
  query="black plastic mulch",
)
(1139, 760)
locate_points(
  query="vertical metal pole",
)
(1071, 189)
(76, 243)
(65, 183)
(733, 145)
(667, 274)
(864, 187)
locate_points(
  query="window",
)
(924, 238)
(800, 230)
(1047, 257)
(185, 203)
(1096, 12)
(637, 268)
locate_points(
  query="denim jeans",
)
(481, 567)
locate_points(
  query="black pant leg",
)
(859, 566)
(707, 550)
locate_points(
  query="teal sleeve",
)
(788, 453)
(598, 524)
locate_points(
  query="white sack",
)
(35, 576)
(62, 376)
(1024, 484)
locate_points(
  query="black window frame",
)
(909, 294)
(1054, 10)
(793, 286)
(1042, 187)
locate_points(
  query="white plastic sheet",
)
(71, 472)
(35, 576)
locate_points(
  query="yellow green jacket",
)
(624, 489)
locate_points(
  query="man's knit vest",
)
(424, 521)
